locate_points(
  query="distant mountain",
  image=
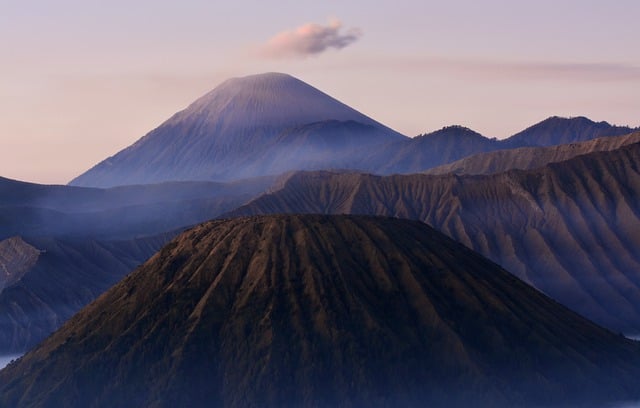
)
(423, 152)
(323, 311)
(456, 142)
(571, 229)
(556, 130)
(269, 124)
(525, 158)
(16, 258)
(257, 125)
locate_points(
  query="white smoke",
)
(310, 39)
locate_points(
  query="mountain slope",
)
(235, 131)
(16, 258)
(66, 276)
(322, 311)
(556, 130)
(571, 229)
(76, 242)
(525, 158)
(28, 209)
(423, 152)
(454, 143)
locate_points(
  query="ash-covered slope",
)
(236, 131)
(571, 229)
(322, 311)
(526, 158)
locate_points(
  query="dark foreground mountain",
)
(426, 151)
(322, 311)
(246, 127)
(525, 158)
(571, 229)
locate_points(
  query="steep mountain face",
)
(64, 276)
(235, 131)
(16, 258)
(526, 158)
(323, 311)
(571, 229)
(556, 130)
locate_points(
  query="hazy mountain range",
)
(273, 123)
(289, 299)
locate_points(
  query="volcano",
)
(310, 310)
(246, 127)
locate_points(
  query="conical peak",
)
(269, 100)
(234, 132)
(263, 80)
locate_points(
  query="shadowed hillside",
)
(557, 130)
(570, 229)
(77, 242)
(65, 275)
(322, 311)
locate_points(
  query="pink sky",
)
(82, 79)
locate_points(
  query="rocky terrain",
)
(571, 229)
(16, 258)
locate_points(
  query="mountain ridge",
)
(567, 228)
(557, 130)
(526, 158)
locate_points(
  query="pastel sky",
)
(82, 79)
